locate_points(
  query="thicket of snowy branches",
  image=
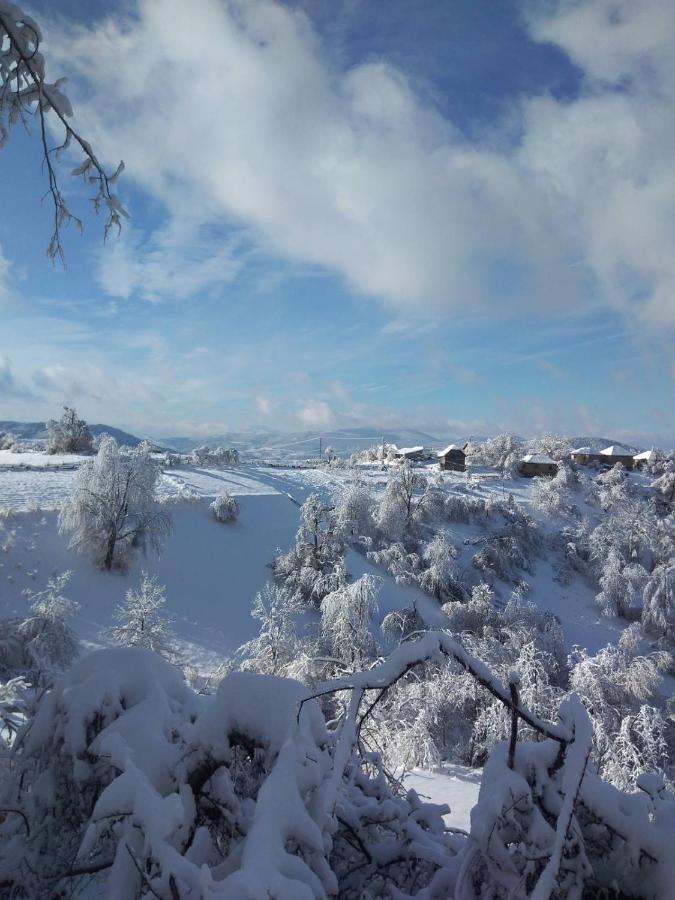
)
(69, 435)
(112, 510)
(214, 457)
(269, 788)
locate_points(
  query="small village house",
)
(453, 458)
(583, 456)
(646, 458)
(533, 464)
(614, 454)
(410, 453)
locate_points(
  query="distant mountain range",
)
(268, 443)
(37, 431)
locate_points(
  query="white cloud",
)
(234, 116)
(316, 413)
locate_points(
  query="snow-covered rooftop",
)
(448, 449)
(646, 454)
(584, 450)
(616, 450)
(404, 451)
(539, 458)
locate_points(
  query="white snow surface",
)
(457, 786)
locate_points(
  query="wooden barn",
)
(614, 454)
(533, 464)
(453, 457)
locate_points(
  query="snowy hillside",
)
(324, 571)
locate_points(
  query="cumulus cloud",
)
(235, 113)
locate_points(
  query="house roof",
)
(616, 450)
(646, 454)
(404, 451)
(584, 450)
(539, 458)
(448, 449)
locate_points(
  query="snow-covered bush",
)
(354, 509)
(346, 620)
(225, 508)
(277, 644)
(142, 620)
(42, 644)
(556, 446)
(658, 608)
(125, 772)
(404, 502)
(504, 451)
(112, 509)
(554, 496)
(7, 440)
(69, 435)
(125, 776)
(440, 577)
(615, 685)
(214, 458)
(315, 565)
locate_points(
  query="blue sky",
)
(454, 215)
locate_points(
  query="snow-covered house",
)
(646, 458)
(614, 454)
(453, 457)
(582, 456)
(537, 464)
(411, 453)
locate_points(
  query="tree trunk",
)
(112, 540)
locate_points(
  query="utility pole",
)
(320, 450)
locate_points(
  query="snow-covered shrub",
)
(346, 619)
(546, 826)
(460, 508)
(225, 508)
(277, 644)
(142, 620)
(42, 644)
(214, 457)
(658, 607)
(556, 446)
(553, 496)
(354, 511)
(440, 577)
(614, 685)
(664, 486)
(124, 771)
(112, 509)
(7, 440)
(504, 451)
(403, 565)
(69, 435)
(404, 502)
(315, 566)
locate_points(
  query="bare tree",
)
(24, 91)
